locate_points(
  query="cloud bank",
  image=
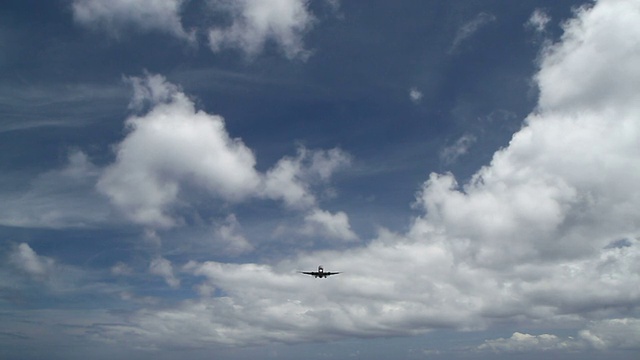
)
(471, 27)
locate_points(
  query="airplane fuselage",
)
(320, 273)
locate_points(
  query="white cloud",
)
(520, 342)
(291, 178)
(252, 25)
(470, 28)
(538, 20)
(33, 264)
(578, 74)
(151, 90)
(162, 267)
(255, 23)
(284, 181)
(528, 239)
(229, 237)
(599, 335)
(171, 146)
(174, 150)
(117, 16)
(335, 226)
(415, 95)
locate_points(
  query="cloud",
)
(255, 23)
(171, 146)
(162, 267)
(229, 237)
(538, 21)
(173, 150)
(415, 95)
(291, 178)
(59, 198)
(470, 28)
(31, 263)
(451, 153)
(520, 342)
(32, 277)
(29, 106)
(599, 335)
(527, 239)
(244, 24)
(117, 16)
(284, 181)
(570, 83)
(335, 226)
(121, 269)
(550, 193)
(613, 334)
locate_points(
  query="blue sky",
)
(168, 166)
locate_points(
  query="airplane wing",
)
(312, 273)
(331, 273)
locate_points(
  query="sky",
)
(168, 167)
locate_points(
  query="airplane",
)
(320, 273)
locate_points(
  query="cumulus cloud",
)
(117, 16)
(527, 239)
(172, 145)
(173, 149)
(255, 23)
(570, 83)
(470, 28)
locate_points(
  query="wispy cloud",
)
(451, 153)
(117, 16)
(29, 106)
(538, 21)
(471, 27)
(163, 268)
(59, 198)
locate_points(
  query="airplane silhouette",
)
(320, 273)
